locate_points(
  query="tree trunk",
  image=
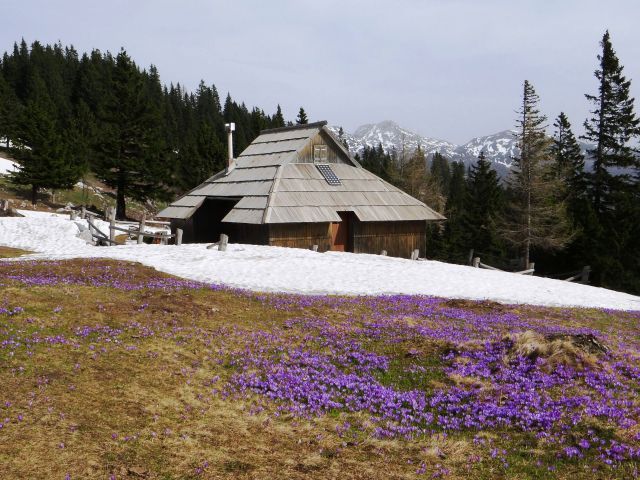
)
(34, 194)
(121, 206)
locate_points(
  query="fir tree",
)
(342, 138)
(45, 153)
(611, 128)
(9, 111)
(483, 203)
(611, 240)
(278, 118)
(568, 163)
(454, 236)
(536, 217)
(131, 146)
(441, 171)
(302, 119)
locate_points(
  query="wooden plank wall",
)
(300, 235)
(333, 154)
(399, 239)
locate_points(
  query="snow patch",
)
(7, 166)
(278, 269)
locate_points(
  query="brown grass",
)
(8, 252)
(554, 350)
(153, 398)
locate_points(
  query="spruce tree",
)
(612, 128)
(9, 111)
(45, 152)
(441, 171)
(454, 236)
(302, 119)
(568, 164)
(131, 145)
(483, 204)
(611, 239)
(536, 216)
(278, 118)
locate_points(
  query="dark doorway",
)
(207, 225)
(342, 233)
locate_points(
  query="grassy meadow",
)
(113, 370)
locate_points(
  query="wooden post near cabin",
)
(112, 231)
(224, 239)
(383, 253)
(141, 230)
(314, 248)
(584, 276)
(476, 262)
(179, 233)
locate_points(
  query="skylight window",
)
(328, 174)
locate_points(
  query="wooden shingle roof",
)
(271, 186)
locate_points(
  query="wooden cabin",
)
(298, 187)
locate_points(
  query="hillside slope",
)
(277, 269)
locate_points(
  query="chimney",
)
(230, 128)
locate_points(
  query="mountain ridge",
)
(500, 148)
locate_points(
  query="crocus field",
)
(113, 370)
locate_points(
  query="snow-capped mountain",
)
(499, 148)
(392, 136)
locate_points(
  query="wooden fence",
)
(579, 276)
(139, 233)
(478, 264)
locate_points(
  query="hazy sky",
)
(450, 69)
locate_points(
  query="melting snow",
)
(304, 271)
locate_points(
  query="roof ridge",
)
(274, 187)
(295, 127)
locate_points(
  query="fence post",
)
(314, 248)
(112, 231)
(584, 277)
(179, 236)
(224, 239)
(141, 230)
(383, 253)
(476, 262)
(470, 262)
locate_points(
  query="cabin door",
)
(341, 233)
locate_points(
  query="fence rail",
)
(478, 264)
(140, 232)
(578, 276)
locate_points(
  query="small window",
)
(320, 154)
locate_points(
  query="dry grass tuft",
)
(577, 351)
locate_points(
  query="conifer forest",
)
(64, 113)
